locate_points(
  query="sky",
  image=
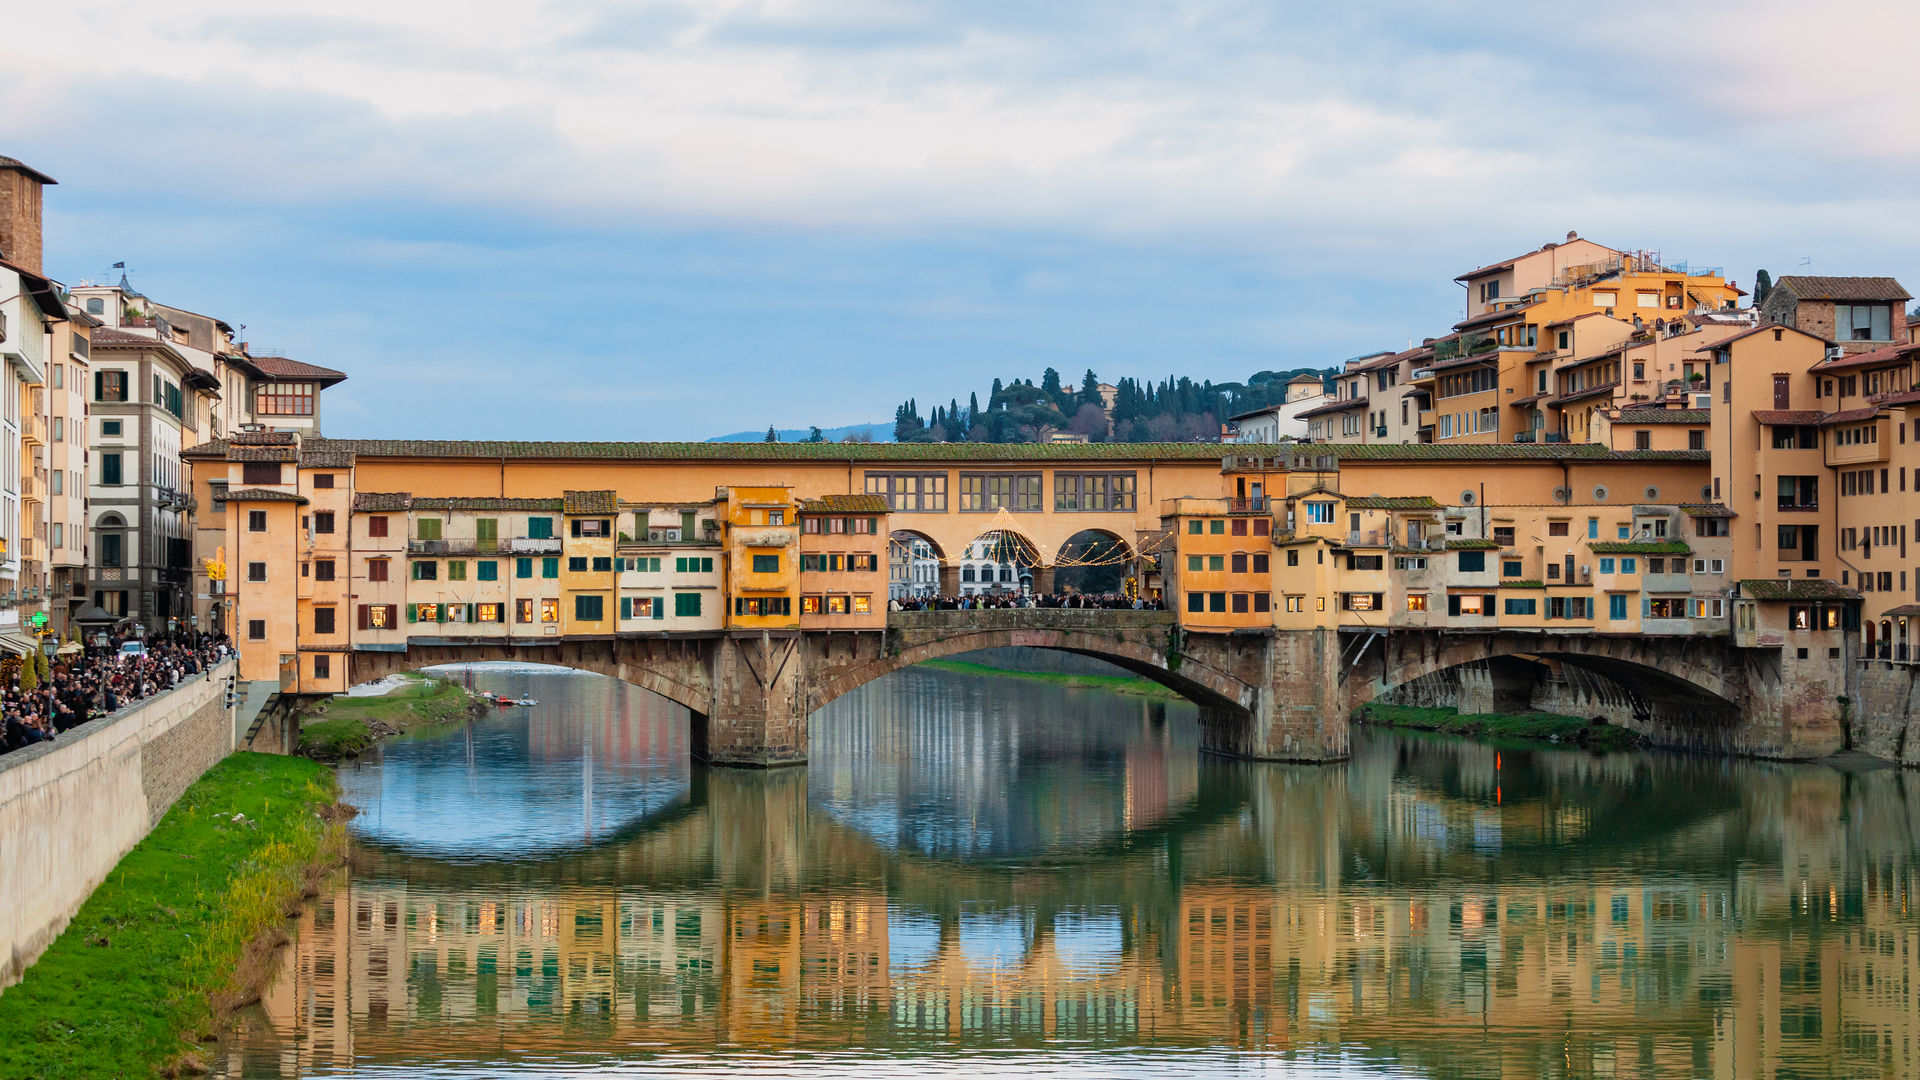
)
(664, 219)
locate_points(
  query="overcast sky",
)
(672, 219)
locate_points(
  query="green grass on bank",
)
(347, 728)
(131, 979)
(1122, 684)
(1527, 725)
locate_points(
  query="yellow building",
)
(763, 558)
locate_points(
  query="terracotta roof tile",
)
(485, 503)
(844, 504)
(1639, 547)
(1848, 416)
(326, 459)
(1892, 354)
(262, 438)
(381, 501)
(262, 453)
(263, 495)
(1789, 416)
(1706, 510)
(1392, 502)
(1791, 589)
(1665, 416)
(1341, 405)
(1493, 318)
(1811, 287)
(279, 367)
(1589, 392)
(1760, 329)
(590, 502)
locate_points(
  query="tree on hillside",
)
(1762, 285)
(1050, 385)
(1090, 390)
(813, 435)
(772, 436)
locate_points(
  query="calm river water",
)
(981, 876)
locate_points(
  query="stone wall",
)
(70, 809)
(1882, 716)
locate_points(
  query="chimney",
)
(1572, 236)
(20, 186)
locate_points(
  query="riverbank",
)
(182, 931)
(1119, 684)
(345, 727)
(1532, 726)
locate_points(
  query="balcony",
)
(1796, 506)
(1256, 505)
(1370, 538)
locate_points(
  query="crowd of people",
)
(996, 601)
(98, 679)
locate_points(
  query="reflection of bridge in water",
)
(1424, 915)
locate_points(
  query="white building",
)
(981, 573)
(1282, 421)
(912, 569)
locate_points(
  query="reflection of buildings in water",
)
(622, 725)
(1791, 950)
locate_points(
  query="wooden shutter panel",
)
(442, 613)
(660, 606)
(413, 613)
(393, 614)
(626, 607)
(366, 621)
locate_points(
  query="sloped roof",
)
(1848, 416)
(1392, 502)
(1665, 416)
(378, 501)
(1792, 589)
(844, 504)
(590, 502)
(16, 163)
(263, 495)
(1892, 354)
(279, 367)
(1789, 416)
(326, 459)
(1812, 287)
(1639, 547)
(1706, 510)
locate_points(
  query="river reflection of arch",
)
(598, 756)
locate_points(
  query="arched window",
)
(110, 541)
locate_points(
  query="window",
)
(323, 620)
(323, 480)
(1093, 491)
(376, 616)
(589, 608)
(377, 569)
(550, 610)
(760, 606)
(323, 521)
(523, 611)
(1643, 440)
(109, 469)
(487, 613)
(58, 477)
(1195, 528)
(1605, 299)
(427, 528)
(910, 492)
(487, 570)
(1320, 513)
(284, 399)
(577, 564)
(1196, 603)
(110, 386)
(323, 569)
(1195, 563)
(1260, 562)
(1667, 607)
(1696, 440)
(456, 569)
(256, 521)
(377, 525)
(686, 605)
(1417, 601)
(1216, 562)
(256, 629)
(1556, 528)
(1606, 565)
(1241, 602)
(539, 528)
(1862, 322)
(603, 564)
(1293, 556)
(1409, 562)
(1217, 603)
(985, 492)
(1217, 527)
(1503, 535)
(1510, 568)
(1593, 529)
(1471, 562)
(550, 569)
(260, 472)
(1629, 566)
(766, 564)
(426, 570)
(256, 571)
(1520, 605)
(426, 613)
(1616, 605)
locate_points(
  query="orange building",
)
(843, 562)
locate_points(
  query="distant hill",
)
(881, 432)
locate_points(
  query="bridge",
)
(1268, 695)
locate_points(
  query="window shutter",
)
(366, 621)
(442, 613)
(1646, 606)
(626, 607)
(473, 612)
(660, 607)
(393, 613)
(412, 613)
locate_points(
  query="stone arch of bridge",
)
(1661, 672)
(1193, 679)
(640, 668)
(907, 536)
(1098, 534)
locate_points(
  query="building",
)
(1282, 422)
(912, 569)
(1857, 314)
(992, 564)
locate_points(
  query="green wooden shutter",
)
(442, 613)
(626, 607)
(660, 607)
(412, 613)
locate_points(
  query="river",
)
(980, 876)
